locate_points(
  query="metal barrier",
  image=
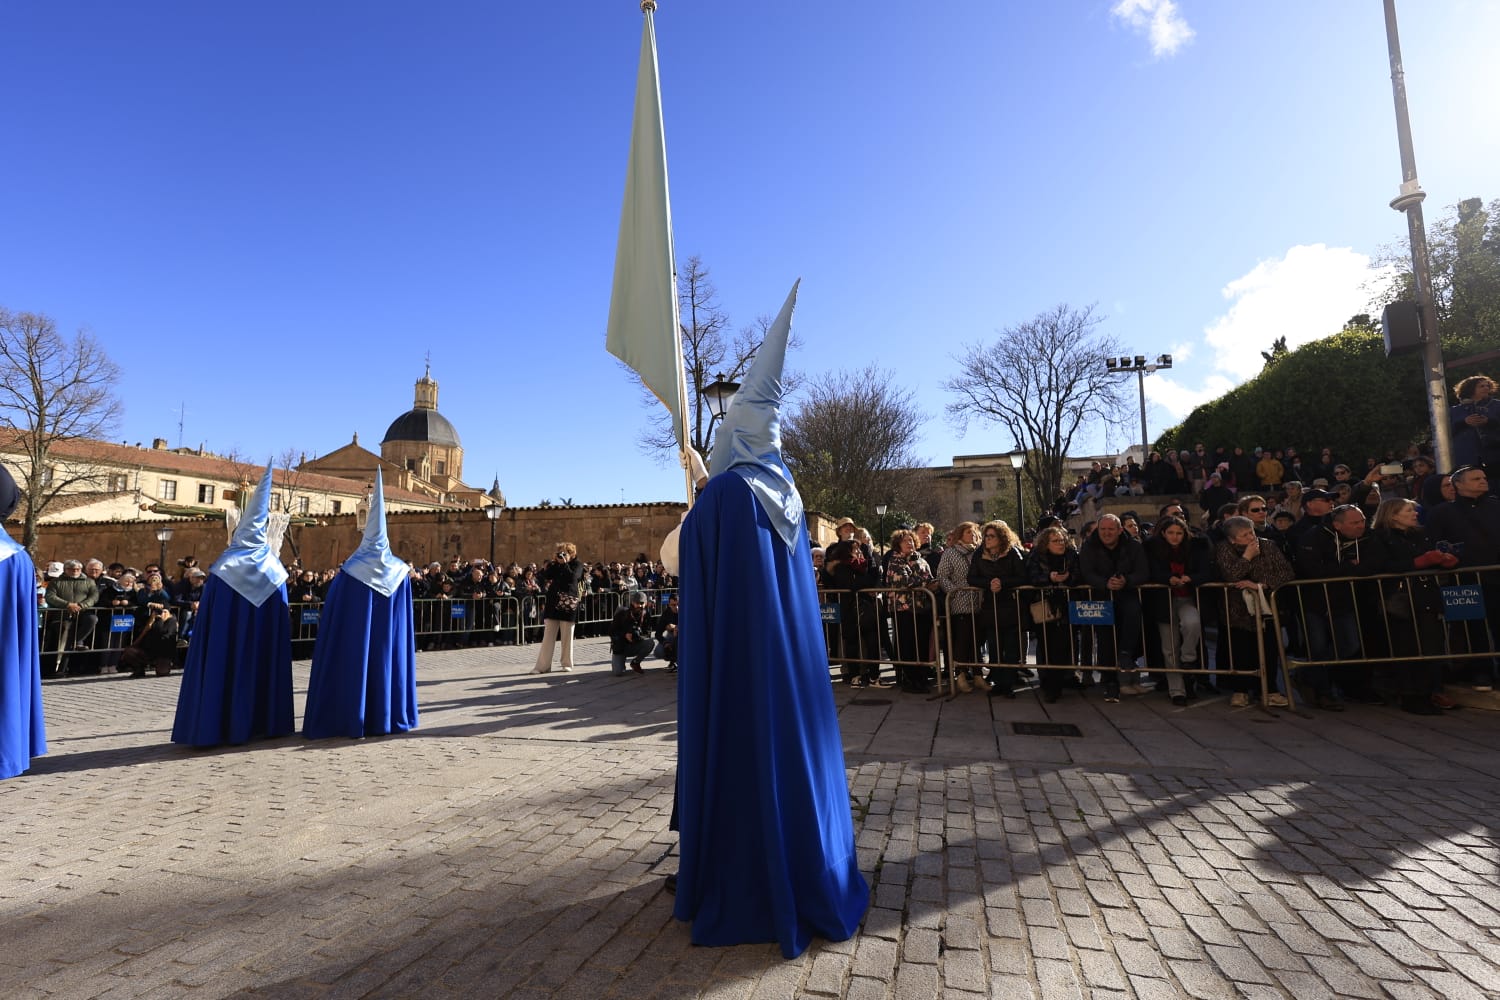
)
(1068, 629)
(1389, 618)
(868, 627)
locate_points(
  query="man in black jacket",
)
(630, 635)
(1470, 524)
(1331, 552)
(1115, 563)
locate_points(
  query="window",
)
(119, 482)
(168, 490)
(276, 501)
(338, 506)
(978, 485)
(411, 465)
(205, 494)
(442, 467)
(979, 506)
(302, 505)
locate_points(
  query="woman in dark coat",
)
(1053, 566)
(998, 569)
(1413, 605)
(561, 578)
(912, 611)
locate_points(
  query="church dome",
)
(423, 423)
(427, 426)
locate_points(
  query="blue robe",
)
(364, 668)
(23, 732)
(767, 837)
(237, 682)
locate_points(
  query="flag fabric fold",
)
(644, 330)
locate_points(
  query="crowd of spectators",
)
(82, 604)
(1231, 534)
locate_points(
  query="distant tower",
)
(422, 441)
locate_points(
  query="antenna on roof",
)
(181, 415)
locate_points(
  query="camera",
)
(1391, 469)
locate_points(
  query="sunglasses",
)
(1257, 510)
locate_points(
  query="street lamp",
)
(718, 394)
(1016, 461)
(1141, 367)
(880, 510)
(493, 512)
(163, 535)
(362, 509)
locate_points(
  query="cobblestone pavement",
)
(514, 846)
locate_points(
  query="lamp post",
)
(1016, 461)
(718, 394)
(362, 509)
(1141, 367)
(1409, 202)
(163, 535)
(493, 512)
(880, 510)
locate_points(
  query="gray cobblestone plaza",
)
(514, 846)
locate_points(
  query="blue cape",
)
(364, 667)
(762, 799)
(23, 731)
(237, 682)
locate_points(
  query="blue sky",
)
(272, 212)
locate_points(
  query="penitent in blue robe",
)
(237, 682)
(364, 668)
(23, 733)
(763, 801)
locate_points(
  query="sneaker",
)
(1484, 686)
(1441, 700)
(1112, 694)
(1180, 700)
(961, 681)
(635, 664)
(1239, 700)
(1277, 700)
(1132, 689)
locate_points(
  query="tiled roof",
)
(159, 460)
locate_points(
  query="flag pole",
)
(645, 317)
(648, 9)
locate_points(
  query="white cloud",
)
(1158, 20)
(1307, 294)
(1304, 295)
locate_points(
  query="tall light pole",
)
(1141, 367)
(1410, 202)
(1016, 461)
(880, 510)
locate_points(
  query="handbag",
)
(1397, 604)
(1043, 612)
(567, 602)
(1256, 603)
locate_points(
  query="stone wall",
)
(608, 533)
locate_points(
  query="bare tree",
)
(1044, 381)
(848, 440)
(709, 350)
(53, 389)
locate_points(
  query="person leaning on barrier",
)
(963, 605)
(910, 584)
(1412, 605)
(1053, 567)
(849, 568)
(1115, 564)
(1254, 569)
(1330, 610)
(1470, 524)
(998, 568)
(75, 595)
(1181, 563)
